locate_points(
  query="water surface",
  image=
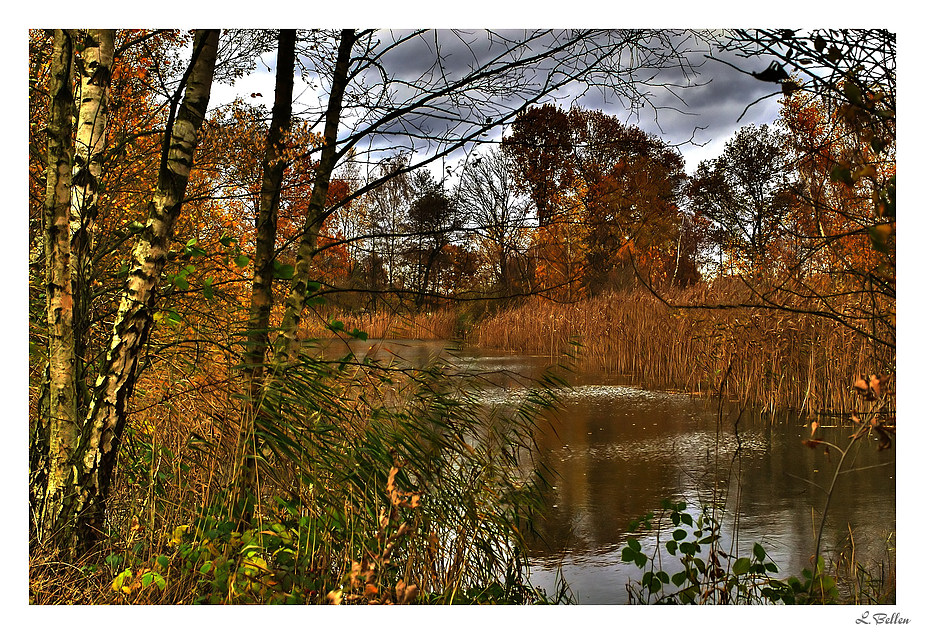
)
(617, 450)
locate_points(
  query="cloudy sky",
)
(699, 125)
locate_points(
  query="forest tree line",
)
(159, 222)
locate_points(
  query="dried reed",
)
(773, 359)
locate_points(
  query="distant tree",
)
(492, 208)
(742, 194)
(388, 208)
(433, 218)
(631, 186)
(840, 114)
(542, 146)
(611, 199)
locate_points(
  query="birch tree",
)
(94, 67)
(317, 212)
(57, 431)
(274, 166)
(78, 521)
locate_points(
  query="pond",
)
(617, 450)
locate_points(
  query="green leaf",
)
(634, 544)
(242, 261)
(628, 555)
(853, 93)
(135, 227)
(687, 519)
(641, 560)
(679, 578)
(741, 565)
(679, 534)
(192, 250)
(121, 578)
(336, 325)
(771, 567)
(181, 282)
(759, 552)
(207, 288)
(227, 241)
(671, 547)
(159, 581)
(163, 561)
(283, 271)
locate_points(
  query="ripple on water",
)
(692, 445)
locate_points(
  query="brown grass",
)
(771, 358)
(437, 324)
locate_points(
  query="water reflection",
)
(619, 451)
(616, 451)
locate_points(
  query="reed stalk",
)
(778, 360)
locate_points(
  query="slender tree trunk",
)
(56, 433)
(274, 167)
(295, 303)
(82, 516)
(94, 66)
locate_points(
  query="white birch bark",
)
(83, 518)
(57, 432)
(94, 67)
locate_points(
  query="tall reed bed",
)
(441, 323)
(770, 358)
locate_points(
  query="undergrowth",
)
(378, 482)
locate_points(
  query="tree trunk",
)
(82, 517)
(56, 433)
(94, 66)
(274, 166)
(295, 303)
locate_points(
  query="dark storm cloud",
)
(697, 118)
(703, 108)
